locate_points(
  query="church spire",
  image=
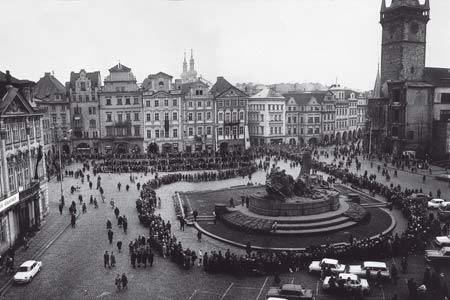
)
(184, 63)
(191, 61)
(377, 86)
(383, 6)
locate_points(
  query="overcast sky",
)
(264, 41)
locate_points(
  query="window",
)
(108, 117)
(241, 115)
(199, 92)
(445, 98)
(128, 116)
(156, 103)
(166, 116)
(394, 131)
(137, 130)
(199, 103)
(310, 120)
(208, 130)
(410, 135)
(136, 116)
(190, 131)
(92, 124)
(396, 117)
(156, 116)
(149, 134)
(108, 101)
(199, 131)
(166, 102)
(120, 118)
(175, 133)
(199, 116)
(190, 104)
(310, 130)
(220, 131)
(219, 103)
(289, 120)
(241, 130)
(166, 134)
(109, 131)
(220, 117)
(317, 130)
(174, 102)
(175, 116)
(119, 101)
(147, 103)
(122, 88)
(208, 116)
(317, 120)
(157, 133)
(127, 101)
(54, 118)
(148, 118)
(295, 130)
(208, 103)
(135, 100)
(63, 119)
(190, 116)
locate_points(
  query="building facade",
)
(84, 94)
(162, 114)
(121, 121)
(230, 105)
(266, 117)
(198, 117)
(23, 184)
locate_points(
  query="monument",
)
(284, 196)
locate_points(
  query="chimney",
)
(8, 77)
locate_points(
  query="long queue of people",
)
(420, 228)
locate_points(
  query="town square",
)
(120, 185)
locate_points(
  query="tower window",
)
(412, 70)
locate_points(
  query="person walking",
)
(60, 207)
(112, 259)
(119, 245)
(108, 224)
(72, 220)
(106, 259)
(124, 281)
(110, 235)
(151, 256)
(118, 282)
(116, 212)
(124, 224)
(84, 208)
(199, 236)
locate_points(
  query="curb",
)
(38, 253)
(258, 248)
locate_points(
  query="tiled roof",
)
(158, 75)
(12, 81)
(221, 86)
(119, 68)
(9, 95)
(94, 77)
(48, 86)
(267, 93)
(437, 76)
(185, 87)
(302, 99)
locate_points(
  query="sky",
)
(262, 41)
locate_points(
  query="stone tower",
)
(403, 45)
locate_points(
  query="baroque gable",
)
(232, 92)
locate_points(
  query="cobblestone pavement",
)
(73, 265)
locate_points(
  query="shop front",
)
(27, 212)
(8, 233)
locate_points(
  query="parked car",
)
(316, 266)
(442, 255)
(444, 213)
(436, 203)
(373, 267)
(290, 292)
(442, 241)
(27, 271)
(348, 282)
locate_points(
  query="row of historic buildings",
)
(164, 114)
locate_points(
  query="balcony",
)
(126, 123)
(231, 122)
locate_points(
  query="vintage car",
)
(441, 255)
(444, 213)
(442, 241)
(436, 203)
(290, 292)
(346, 281)
(316, 266)
(27, 271)
(373, 267)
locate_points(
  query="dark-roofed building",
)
(23, 184)
(121, 121)
(230, 105)
(51, 98)
(84, 93)
(304, 117)
(440, 79)
(163, 127)
(198, 117)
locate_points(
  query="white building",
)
(266, 117)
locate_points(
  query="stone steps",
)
(313, 231)
(312, 225)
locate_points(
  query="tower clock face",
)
(414, 28)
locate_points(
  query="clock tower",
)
(403, 45)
